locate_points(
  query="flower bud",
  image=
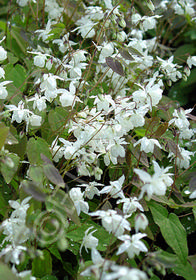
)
(121, 36)
(122, 23)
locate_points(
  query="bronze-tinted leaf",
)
(32, 188)
(51, 172)
(174, 148)
(46, 160)
(125, 54)
(53, 175)
(192, 117)
(192, 184)
(161, 130)
(115, 65)
(3, 134)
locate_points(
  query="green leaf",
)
(57, 118)
(15, 33)
(3, 205)
(36, 174)
(192, 260)
(11, 58)
(17, 146)
(3, 134)
(61, 203)
(185, 270)
(17, 74)
(171, 229)
(169, 260)
(9, 167)
(36, 147)
(159, 213)
(54, 251)
(42, 266)
(175, 236)
(6, 273)
(180, 55)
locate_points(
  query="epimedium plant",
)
(97, 153)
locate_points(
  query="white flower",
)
(45, 33)
(77, 198)
(170, 69)
(23, 274)
(116, 147)
(151, 94)
(3, 54)
(89, 241)
(147, 145)
(3, 90)
(85, 27)
(20, 208)
(2, 73)
(115, 188)
(39, 102)
(12, 253)
(141, 222)
(99, 267)
(181, 118)
(68, 98)
(132, 244)
(135, 18)
(39, 60)
(19, 113)
(53, 9)
(157, 183)
(130, 205)
(64, 43)
(106, 50)
(185, 162)
(148, 22)
(103, 103)
(14, 228)
(90, 189)
(191, 60)
(35, 120)
(193, 195)
(125, 273)
(112, 222)
(57, 150)
(22, 3)
(97, 173)
(49, 86)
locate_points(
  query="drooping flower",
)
(157, 183)
(141, 222)
(115, 188)
(78, 200)
(130, 205)
(132, 244)
(125, 273)
(147, 145)
(112, 221)
(89, 241)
